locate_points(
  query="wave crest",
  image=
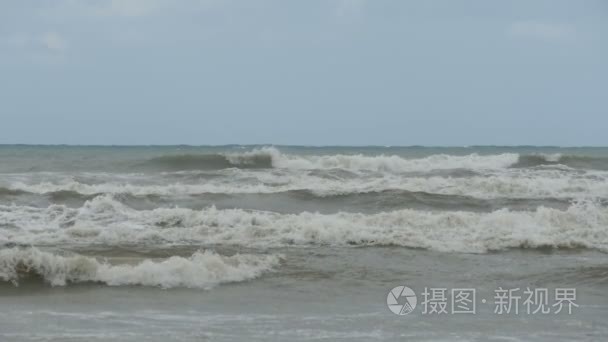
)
(270, 157)
(204, 269)
(395, 164)
(514, 184)
(106, 221)
(556, 159)
(250, 160)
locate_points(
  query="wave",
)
(556, 159)
(513, 184)
(58, 196)
(270, 157)
(106, 221)
(296, 201)
(386, 200)
(204, 269)
(8, 192)
(393, 163)
(255, 159)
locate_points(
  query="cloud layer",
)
(541, 31)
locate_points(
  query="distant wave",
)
(295, 201)
(106, 221)
(393, 163)
(515, 184)
(249, 160)
(4, 192)
(201, 270)
(573, 161)
(270, 157)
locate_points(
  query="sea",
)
(303, 243)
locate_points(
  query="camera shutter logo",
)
(401, 300)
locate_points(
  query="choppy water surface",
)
(295, 243)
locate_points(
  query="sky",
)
(314, 72)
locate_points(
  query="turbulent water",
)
(321, 232)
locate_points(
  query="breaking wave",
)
(573, 161)
(295, 201)
(395, 164)
(204, 269)
(270, 157)
(249, 160)
(104, 220)
(540, 184)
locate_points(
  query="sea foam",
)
(512, 184)
(382, 163)
(204, 269)
(106, 221)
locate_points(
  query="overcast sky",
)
(346, 72)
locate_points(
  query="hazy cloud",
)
(540, 30)
(17, 40)
(53, 41)
(304, 72)
(347, 8)
(126, 8)
(132, 8)
(32, 42)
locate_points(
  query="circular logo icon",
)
(401, 300)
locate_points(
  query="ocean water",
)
(286, 243)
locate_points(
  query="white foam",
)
(387, 163)
(514, 183)
(201, 270)
(105, 221)
(551, 157)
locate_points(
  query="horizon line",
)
(298, 145)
